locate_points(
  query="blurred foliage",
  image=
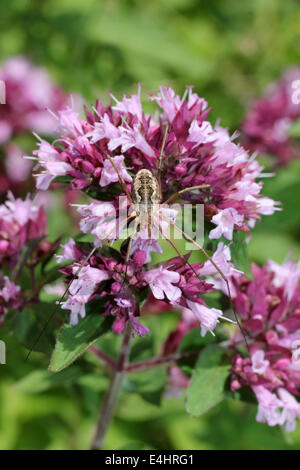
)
(230, 51)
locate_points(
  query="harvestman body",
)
(145, 195)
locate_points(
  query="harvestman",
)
(145, 202)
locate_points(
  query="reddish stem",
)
(157, 361)
(104, 357)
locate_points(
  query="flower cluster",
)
(23, 246)
(29, 91)
(20, 222)
(10, 296)
(269, 306)
(17, 167)
(194, 153)
(109, 279)
(267, 123)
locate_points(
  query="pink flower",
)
(109, 174)
(6, 131)
(67, 252)
(76, 304)
(177, 382)
(208, 317)
(286, 275)
(142, 243)
(281, 408)
(17, 167)
(95, 213)
(169, 102)
(165, 217)
(87, 280)
(131, 137)
(103, 130)
(19, 210)
(225, 220)
(267, 122)
(267, 206)
(81, 289)
(20, 221)
(138, 328)
(268, 406)
(259, 364)
(69, 122)
(57, 289)
(29, 91)
(221, 258)
(291, 409)
(130, 105)
(10, 296)
(104, 220)
(201, 134)
(49, 158)
(161, 282)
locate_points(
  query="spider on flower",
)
(179, 155)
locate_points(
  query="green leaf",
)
(147, 381)
(294, 129)
(284, 188)
(66, 179)
(91, 387)
(29, 324)
(104, 194)
(193, 341)
(75, 340)
(142, 348)
(86, 246)
(24, 255)
(48, 277)
(206, 388)
(154, 397)
(149, 384)
(96, 305)
(239, 252)
(110, 252)
(142, 295)
(40, 380)
(243, 394)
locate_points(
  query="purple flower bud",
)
(85, 166)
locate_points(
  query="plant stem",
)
(103, 357)
(157, 361)
(114, 390)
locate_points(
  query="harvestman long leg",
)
(122, 181)
(182, 191)
(160, 161)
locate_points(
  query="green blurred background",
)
(230, 51)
